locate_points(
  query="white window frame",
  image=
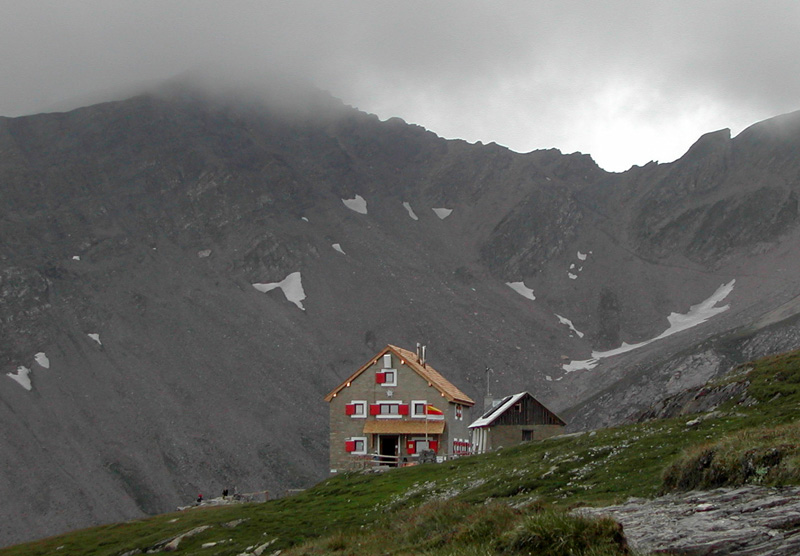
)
(394, 374)
(389, 415)
(387, 360)
(456, 409)
(359, 439)
(364, 409)
(413, 413)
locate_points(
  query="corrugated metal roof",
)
(395, 426)
(409, 358)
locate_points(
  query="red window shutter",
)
(349, 446)
(350, 409)
(403, 409)
(374, 409)
(380, 378)
(411, 447)
(434, 445)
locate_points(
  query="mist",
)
(627, 82)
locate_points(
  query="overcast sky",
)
(625, 81)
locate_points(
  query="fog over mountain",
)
(628, 82)
(186, 273)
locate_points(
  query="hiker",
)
(200, 498)
(225, 493)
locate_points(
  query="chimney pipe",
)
(423, 355)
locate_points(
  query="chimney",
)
(419, 352)
(424, 348)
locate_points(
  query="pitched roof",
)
(409, 358)
(494, 412)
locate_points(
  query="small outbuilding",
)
(513, 420)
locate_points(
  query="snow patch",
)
(76, 257)
(96, 338)
(410, 211)
(564, 320)
(22, 376)
(442, 213)
(581, 256)
(585, 365)
(304, 219)
(338, 248)
(357, 204)
(203, 253)
(42, 360)
(292, 287)
(572, 276)
(678, 322)
(522, 289)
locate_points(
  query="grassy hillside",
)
(510, 501)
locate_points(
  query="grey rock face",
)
(742, 521)
(145, 223)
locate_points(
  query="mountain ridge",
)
(147, 222)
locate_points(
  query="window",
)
(386, 377)
(459, 412)
(356, 445)
(356, 409)
(388, 410)
(387, 360)
(527, 436)
(461, 447)
(418, 408)
(417, 445)
(391, 377)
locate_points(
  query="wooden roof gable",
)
(507, 403)
(409, 358)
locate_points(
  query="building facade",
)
(513, 420)
(392, 408)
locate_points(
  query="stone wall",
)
(511, 435)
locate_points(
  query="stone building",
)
(513, 420)
(392, 408)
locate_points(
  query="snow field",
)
(522, 289)
(678, 322)
(292, 287)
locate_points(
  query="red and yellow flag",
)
(432, 412)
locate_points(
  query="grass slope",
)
(508, 501)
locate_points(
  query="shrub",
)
(554, 533)
(756, 456)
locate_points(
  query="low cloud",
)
(624, 81)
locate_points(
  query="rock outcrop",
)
(744, 521)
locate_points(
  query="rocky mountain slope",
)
(722, 481)
(142, 366)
